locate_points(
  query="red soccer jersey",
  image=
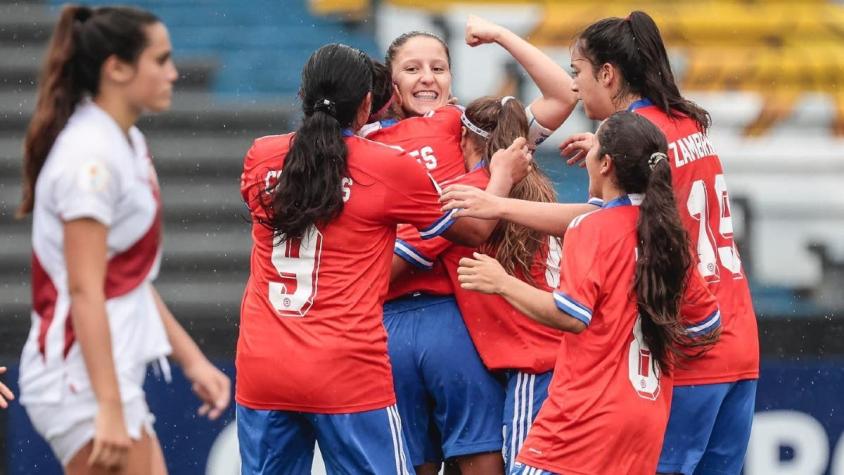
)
(433, 139)
(311, 337)
(608, 404)
(504, 337)
(704, 205)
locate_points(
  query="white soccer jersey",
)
(94, 171)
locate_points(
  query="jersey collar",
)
(639, 104)
(634, 199)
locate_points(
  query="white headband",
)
(505, 99)
(474, 128)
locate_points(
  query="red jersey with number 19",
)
(704, 206)
(311, 337)
(608, 402)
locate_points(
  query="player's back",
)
(607, 389)
(433, 139)
(704, 205)
(311, 333)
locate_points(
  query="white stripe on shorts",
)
(395, 421)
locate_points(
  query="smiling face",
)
(421, 75)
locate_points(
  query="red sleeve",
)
(414, 196)
(420, 252)
(580, 277)
(699, 308)
(261, 167)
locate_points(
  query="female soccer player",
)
(312, 360)
(507, 341)
(92, 189)
(464, 402)
(632, 304)
(622, 64)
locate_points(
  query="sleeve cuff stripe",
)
(440, 226)
(572, 307)
(711, 323)
(408, 253)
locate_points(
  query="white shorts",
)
(69, 424)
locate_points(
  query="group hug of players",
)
(417, 295)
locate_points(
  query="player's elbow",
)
(468, 232)
(567, 323)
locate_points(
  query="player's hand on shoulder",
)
(211, 386)
(5, 393)
(480, 31)
(482, 274)
(515, 162)
(575, 148)
(111, 439)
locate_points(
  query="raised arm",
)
(558, 99)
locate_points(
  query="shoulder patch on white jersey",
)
(93, 176)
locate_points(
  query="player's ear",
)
(607, 165)
(607, 74)
(364, 110)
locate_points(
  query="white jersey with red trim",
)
(96, 171)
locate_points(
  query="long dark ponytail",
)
(638, 149)
(634, 45)
(82, 40)
(513, 245)
(335, 82)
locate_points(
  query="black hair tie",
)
(327, 106)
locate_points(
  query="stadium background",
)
(770, 72)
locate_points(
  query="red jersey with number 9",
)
(608, 402)
(311, 337)
(704, 206)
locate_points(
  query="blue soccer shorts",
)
(709, 429)
(450, 404)
(282, 442)
(525, 394)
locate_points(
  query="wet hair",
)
(638, 150)
(382, 90)
(397, 43)
(309, 192)
(634, 46)
(83, 39)
(513, 245)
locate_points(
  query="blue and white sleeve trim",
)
(412, 255)
(572, 307)
(440, 226)
(710, 324)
